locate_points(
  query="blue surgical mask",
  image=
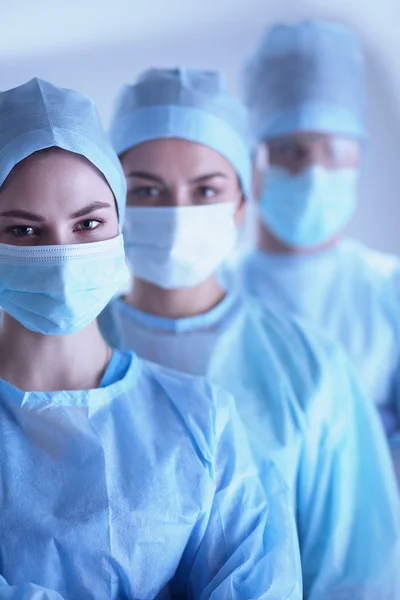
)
(60, 289)
(311, 208)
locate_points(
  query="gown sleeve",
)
(248, 549)
(347, 502)
(26, 591)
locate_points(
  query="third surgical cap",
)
(306, 77)
(38, 115)
(187, 104)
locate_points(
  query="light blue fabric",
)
(308, 76)
(117, 368)
(298, 399)
(350, 292)
(39, 115)
(309, 208)
(57, 290)
(142, 489)
(186, 324)
(185, 344)
(186, 104)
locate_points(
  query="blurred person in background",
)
(182, 141)
(305, 90)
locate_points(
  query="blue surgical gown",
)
(353, 294)
(297, 396)
(141, 489)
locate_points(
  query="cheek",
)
(132, 200)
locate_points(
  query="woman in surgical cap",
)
(305, 90)
(119, 479)
(182, 142)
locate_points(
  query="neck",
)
(175, 304)
(34, 362)
(267, 242)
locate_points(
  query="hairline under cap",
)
(39, 115)
(93, 154)
(154, 122)
(311, 118)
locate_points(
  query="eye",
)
(289, 150)
(207, 192)
(146, 192)
(88, 225)
(21, 231)
(284, 148)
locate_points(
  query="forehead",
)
(176, 153)
(53, 163)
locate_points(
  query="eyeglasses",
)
(300, 151)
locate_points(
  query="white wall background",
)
(95, 46)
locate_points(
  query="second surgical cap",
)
(308, 76)
(187, 104)
(39, 115)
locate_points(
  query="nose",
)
(316, 156)
(178, 196)
(54, 236)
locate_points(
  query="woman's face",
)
(174, 172)
(56, 198)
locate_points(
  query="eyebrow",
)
(23, 214)
(144, 175)
(207, 177)
(86, 210)
(29, 216)
(150, 177)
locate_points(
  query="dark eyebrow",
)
(144, 175)
(86, 210)
(150, 177)
(202, 178)
(23, 214)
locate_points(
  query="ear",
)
(240, 211)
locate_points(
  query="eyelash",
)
(14, 229)
(145, 192)
(98, 220)
(205, 188)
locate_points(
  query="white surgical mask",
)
(310, 208)
(60, 289)
(179, 247)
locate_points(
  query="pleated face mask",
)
(179, 247)
(60, 289)
(308, 209)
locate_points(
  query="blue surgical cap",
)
(306, 77)
(39, 115)
(186, 104)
